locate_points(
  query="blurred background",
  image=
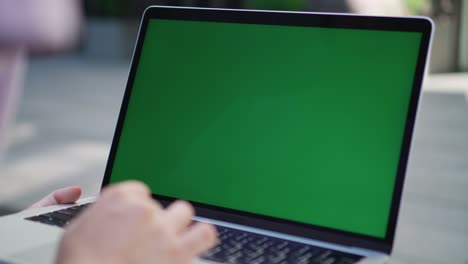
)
(63, 69)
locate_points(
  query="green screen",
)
(299, 123)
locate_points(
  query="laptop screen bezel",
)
(407, 24)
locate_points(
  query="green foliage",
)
(108, 8)
(416, 6)
(129, 8)
(277, 4)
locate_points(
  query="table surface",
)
(68, 112)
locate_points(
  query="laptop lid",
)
(293, 122)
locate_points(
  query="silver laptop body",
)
(25, 241)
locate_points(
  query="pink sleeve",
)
(43, 25)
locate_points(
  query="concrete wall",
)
(463, 60)
(444, 46)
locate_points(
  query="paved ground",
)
(69, 109)
(65, 126)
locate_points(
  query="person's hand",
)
(61, 196)
(127, 226)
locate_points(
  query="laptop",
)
(289, 131)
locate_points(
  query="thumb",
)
(60, 196)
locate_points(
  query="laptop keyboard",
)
(59, 218)
(237, 246)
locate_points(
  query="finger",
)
(61, 196)
(179, 214)
(199, 238)
(127, 188)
